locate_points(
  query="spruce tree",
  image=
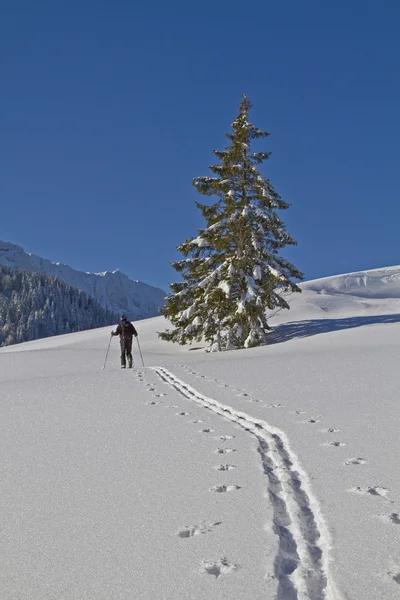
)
(231, 272)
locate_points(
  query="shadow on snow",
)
(299, 329)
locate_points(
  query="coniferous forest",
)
(34, 305)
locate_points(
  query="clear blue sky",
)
(108, 109)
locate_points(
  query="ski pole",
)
(109, 343)
(140, 352)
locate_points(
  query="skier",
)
(126, 331)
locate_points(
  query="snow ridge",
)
(374, 283)
(302, 562)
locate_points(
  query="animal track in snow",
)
(395, 576)
(187, 532)
(299, 412)
(330, 430)
(207, 430)
(274, 405)
(225, 488)
(196, 421)
(392, 518)
(152, 402)
(159, 395)
(219, 567)
(374, 490)
(183, 414)
(356, 461)
(225, 467)
(223, 438)
(335, 443)
(225, 450)
(302, 553)
(311, 421)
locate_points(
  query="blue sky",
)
(109, 109)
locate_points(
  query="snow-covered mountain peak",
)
(113, 289)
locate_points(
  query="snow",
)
(270, 472)
(113, 290)
(200, 242)
(225, 287)
(257, 272)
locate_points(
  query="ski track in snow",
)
(302, 562)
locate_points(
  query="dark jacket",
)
(126, 331)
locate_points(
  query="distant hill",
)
(34, 305)
(374, 283)
(113, 290)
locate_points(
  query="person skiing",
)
(126, 331)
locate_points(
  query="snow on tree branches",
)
(232, 272)
(35, 305)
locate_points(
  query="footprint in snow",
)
(218, 568)
(196, 421)
(207, 430)
(225, 488)
(225, 450)
(159, 395)
(224, 437)
(374, 490)
(392, 518)
(225, 467)
(299, 412)
(152, 402)
(311, 421)
(335, 443)
(394, 576)
(187, 532)
(183, 414)
(356, 461)
(274, 405)
(330, 430)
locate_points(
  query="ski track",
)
(301, 566)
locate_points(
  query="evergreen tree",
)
(232, 272)
(34, 305)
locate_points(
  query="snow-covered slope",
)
(375, 283)
(363, 293)
(263, 473)
(113, 290)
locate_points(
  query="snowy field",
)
(264, 474)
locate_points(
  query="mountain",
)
(35, 305)
(113, 290)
